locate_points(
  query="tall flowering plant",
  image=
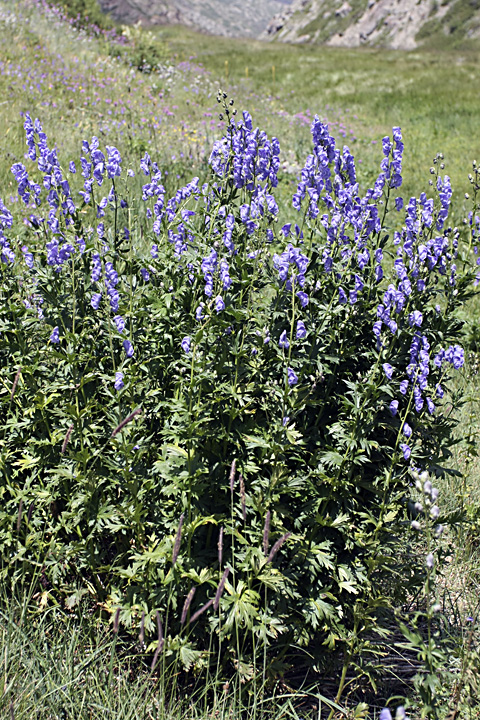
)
(210, 422)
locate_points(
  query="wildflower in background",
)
(430, 561)
(54, 337)
(119, 384)
(145, 274)
(199, 314)
(219, 304)
(185, 344)
(407, 430)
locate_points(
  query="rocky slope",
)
(234, 18)
(402, 24)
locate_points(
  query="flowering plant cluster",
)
(206, 411)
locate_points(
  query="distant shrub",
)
(143, 50)
(85, 13)
(214, 420)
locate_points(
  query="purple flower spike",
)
(119, 384)
(54, 337)
(458, 357)
(186, 344)
(393, 407)
(128, 347)
(405, 450)
(95, 301)
(292, 377)
(119, 323)
(301, 330)
(283, 342)
(303, 297)
(388, 370)
(415, 318)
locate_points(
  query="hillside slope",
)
(402, 24)
(235, 18)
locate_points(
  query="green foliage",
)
(241, 465)
(143, 51)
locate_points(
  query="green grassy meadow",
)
(68, 664)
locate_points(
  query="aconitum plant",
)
(209, 412)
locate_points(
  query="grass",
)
(433, 96)
(57, 666)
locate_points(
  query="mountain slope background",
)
(235, 18)
(397, 24)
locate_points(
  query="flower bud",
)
(427, 487)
